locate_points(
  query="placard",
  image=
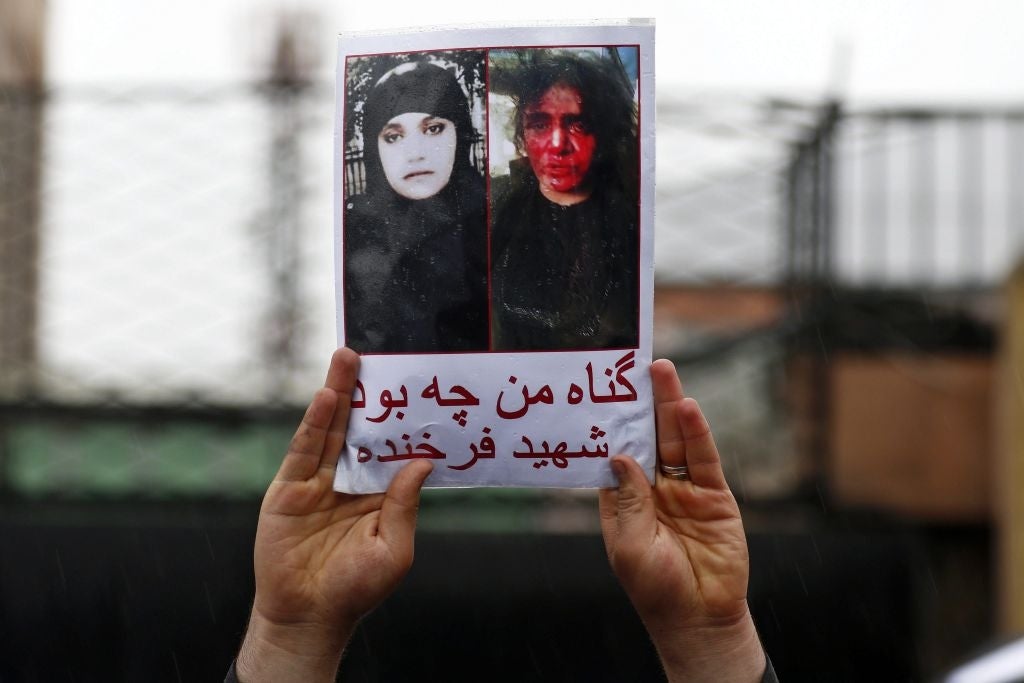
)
(494, 222)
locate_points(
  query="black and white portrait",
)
(414, 217)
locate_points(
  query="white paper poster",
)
(494, 221)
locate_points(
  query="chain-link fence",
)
(167, 264)
(180, 268)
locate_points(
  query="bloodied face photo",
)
(414, 212)
(565, 240)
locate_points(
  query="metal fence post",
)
(22, 41)
(809, 227)
(288, 85)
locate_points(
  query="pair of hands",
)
(325, 559)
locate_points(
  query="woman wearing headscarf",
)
(415, 243)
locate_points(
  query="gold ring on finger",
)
(678, 472)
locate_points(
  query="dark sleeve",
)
(768, 677)
(232, 676)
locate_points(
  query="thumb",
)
(636, 523)
(397, 526)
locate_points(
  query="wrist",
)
(306, 652)
(713, 651)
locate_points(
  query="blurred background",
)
(838, 277)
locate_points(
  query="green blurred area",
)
(125, 460)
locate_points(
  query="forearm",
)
(726, 653)
(305, 653)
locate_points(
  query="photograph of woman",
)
(565, 239)
(414, 223)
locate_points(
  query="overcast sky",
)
(870, 50)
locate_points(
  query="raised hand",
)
(323, 559)
(679, 549)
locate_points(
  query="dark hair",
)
(606, 101)
(414, 87)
